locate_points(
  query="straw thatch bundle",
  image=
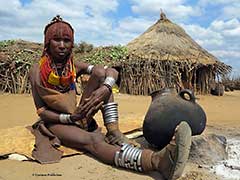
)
(165, 55)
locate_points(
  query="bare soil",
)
(223, 117)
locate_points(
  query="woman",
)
(53, 90)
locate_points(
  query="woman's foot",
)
(116, 137)
(171, 160)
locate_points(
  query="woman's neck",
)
(57, 60)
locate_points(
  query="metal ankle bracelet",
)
(129, 157)
(110, 112)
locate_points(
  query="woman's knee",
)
(99, 72)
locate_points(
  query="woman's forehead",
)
(62, 35)
(58, 30)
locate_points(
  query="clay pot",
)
(167, 110)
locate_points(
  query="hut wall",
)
(145, 76)
(205, 76)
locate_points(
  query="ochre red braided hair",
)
(57, 28)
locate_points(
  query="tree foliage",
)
(105, 55)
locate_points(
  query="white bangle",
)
(65, 118)
(90, 68)
(109, 81)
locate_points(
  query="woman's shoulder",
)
(80, 66)
(34, 70)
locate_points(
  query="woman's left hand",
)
(93, 103)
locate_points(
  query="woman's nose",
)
(61, 44)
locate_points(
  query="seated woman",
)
(53, 91)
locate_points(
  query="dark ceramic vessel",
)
(167, 110)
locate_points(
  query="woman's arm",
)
(84, 68)
(42, 110)
(81, 68)
(111, 72)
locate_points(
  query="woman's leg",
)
(170, 161)
(110, 110)
(93, 142)
(95, 81)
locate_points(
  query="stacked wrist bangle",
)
(65, 119)
(109, 82)
(90, 68)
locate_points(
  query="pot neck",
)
(161, 92)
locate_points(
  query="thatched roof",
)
(167, 41)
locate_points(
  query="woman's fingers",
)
(91, 103)
(85, 103)
(82, 123)
(94, 109)
(88, 102)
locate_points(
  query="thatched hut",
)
(165, 55)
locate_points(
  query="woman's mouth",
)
(61, 53)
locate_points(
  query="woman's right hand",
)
(75, 117)
(79, 121)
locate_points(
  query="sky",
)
(214, 24)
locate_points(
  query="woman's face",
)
(60, 48)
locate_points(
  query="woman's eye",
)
(57, 39)
(67, 40)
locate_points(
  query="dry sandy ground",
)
(222, 113)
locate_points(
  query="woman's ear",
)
(47, 47)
